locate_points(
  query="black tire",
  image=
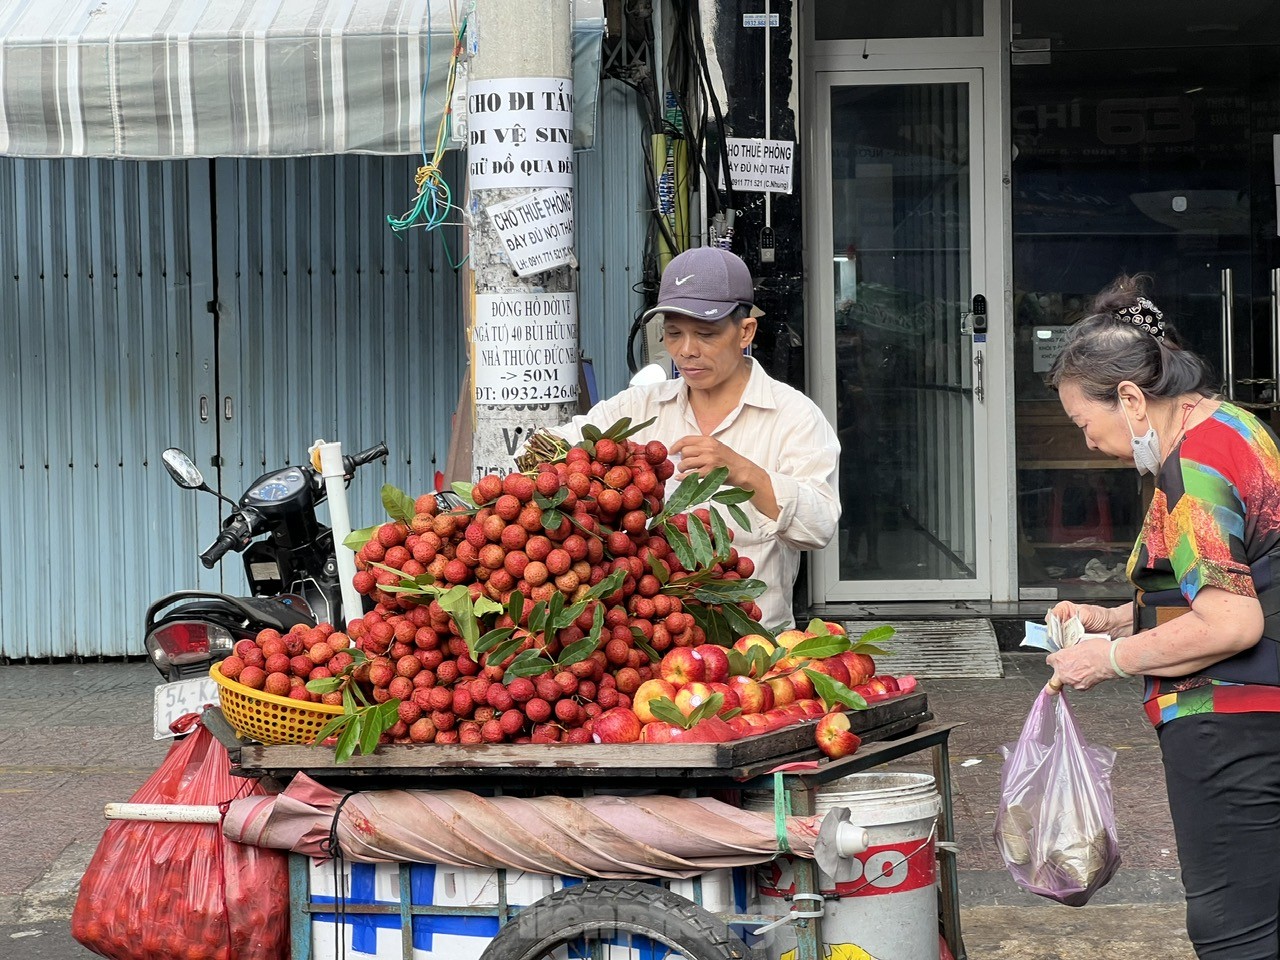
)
(593, 911)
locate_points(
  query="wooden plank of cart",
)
(890, 730)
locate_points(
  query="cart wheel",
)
(632, 918)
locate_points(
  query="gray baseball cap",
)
(706, 283)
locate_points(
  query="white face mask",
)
(1146, 448)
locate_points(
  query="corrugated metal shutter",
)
(104, 343)
(610, 223)
(332, 326)
(327, 325)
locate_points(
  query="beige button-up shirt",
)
(774, 426)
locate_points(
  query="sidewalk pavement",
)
(73, 737)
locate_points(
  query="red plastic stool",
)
(1095, 520)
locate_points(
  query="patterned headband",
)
(1144, 315)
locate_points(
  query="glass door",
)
(900, 350)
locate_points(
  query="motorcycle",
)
(289, 563)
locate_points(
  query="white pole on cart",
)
(162, 813)
(340, 522)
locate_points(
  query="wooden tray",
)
(527, 761)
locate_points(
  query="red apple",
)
(715, 663)
(907, 684)
(682, 665)
(618, 725)
(811, 708)
(783, 691)
(648, 691)
(860, 665)
(744, 644)
(659, 731)
(833, 667)
(890, 682)
(834, 737)
(835, 629)
(730, 697)
(691, 696)
(751, 694)
(802, 685)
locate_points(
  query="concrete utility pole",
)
(524, 334)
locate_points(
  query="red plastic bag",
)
(177, 891)
(1056, 823)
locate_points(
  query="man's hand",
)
(701, 455)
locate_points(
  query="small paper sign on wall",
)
(764, 166)
(536, 230)
(526, 348)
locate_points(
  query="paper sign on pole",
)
(520, 132)
(526, 348)
(536, 230)
(763, 166)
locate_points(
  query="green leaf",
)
(680, 545)
(876, 634)
(577, 651)
(591, 432)
(515, 606)
(632, 431)
(555, 611)
(618, 428)
(761, 661)
(728, 591)
(712, 482)
(487, 605)
(608, 586)
(371, 730)
(548, 503)
(465, 492)
(349, 700)
(739, 665)
(348, 741)
(538, 618)
(732, 495)
(334, 725)
(551, 519)
(871, 649)
(721, 535)
(324, 684)
(664, 709)
(589, 446)
(739, 516)
(682, 497)
(712, 623)
(643, 645)
(492, 639)
(530, 663)
(817, 628)
(831, 691)
(708, 708)
(818, 648)
(743, 625)
(703, 552)
(659, 570)
(398, 504)
(503, 650)
(358, 538)
(597, 622)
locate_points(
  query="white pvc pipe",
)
(162, 813)
(340, 523)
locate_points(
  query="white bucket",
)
(885, 898)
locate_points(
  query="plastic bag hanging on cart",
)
(157, 891)
(1055, 825)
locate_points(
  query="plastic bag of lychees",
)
(157, 891)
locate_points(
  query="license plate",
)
(181, 697)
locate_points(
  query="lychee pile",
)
(282, 664)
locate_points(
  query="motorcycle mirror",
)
(184, 472)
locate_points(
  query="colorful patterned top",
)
(1216, 510)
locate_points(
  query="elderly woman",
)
(1202, 629)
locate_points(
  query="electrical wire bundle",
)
(434, 199)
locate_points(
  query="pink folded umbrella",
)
(608, 837)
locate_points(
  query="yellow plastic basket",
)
(268, 718)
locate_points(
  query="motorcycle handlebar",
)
(376, 452)
(230, 538)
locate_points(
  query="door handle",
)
(979, 384)
(1228, 291)
(226, 408)
(1275, 333)
(204, 409)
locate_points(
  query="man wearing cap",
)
(725, 411)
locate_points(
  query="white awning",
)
(158, 79)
